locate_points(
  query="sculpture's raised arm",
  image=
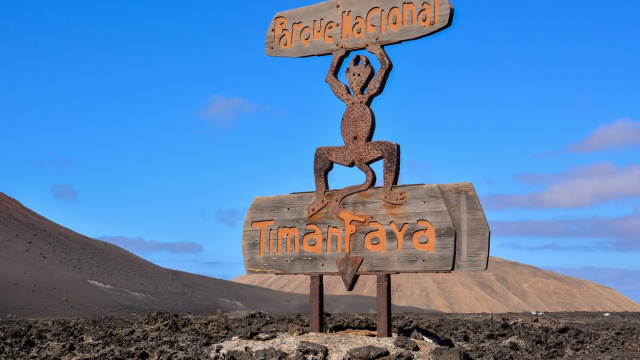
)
(378, 82)
(339, 89)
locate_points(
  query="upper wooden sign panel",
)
(321, 28)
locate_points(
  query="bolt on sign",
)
(319, 29)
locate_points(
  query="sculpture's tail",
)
(350, 190)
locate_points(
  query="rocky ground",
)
(261, 336)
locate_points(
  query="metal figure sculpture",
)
(358, 125)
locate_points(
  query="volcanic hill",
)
(47, 270)
(506, 286)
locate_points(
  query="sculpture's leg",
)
(390, 154)
(323, 163)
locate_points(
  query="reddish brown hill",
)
(506, 286)
(47, 270)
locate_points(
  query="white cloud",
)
(65, 193)
(580, 186)
(139, 245)
(228, 217)
(622, 133)
(222, 111)
(60, 163)
(614, 234)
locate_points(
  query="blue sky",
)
(154, 124)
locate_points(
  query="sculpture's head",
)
(359, 73)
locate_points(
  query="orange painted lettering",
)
(281, 24)
(429, 233)
(395, 17)
(380, 233)
(305, 38)
(331, 231)
(289, 235)
(285, 40)
(349, 229)
(370, 27)
(262, 225)
(318, 33)
(294, 30)
(358, 28)
(346, 24)
(399, 233)
(271, 241)
(406, 9)
(316, 235)
(329, 28)
(424, 17)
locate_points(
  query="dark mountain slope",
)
(47, 270)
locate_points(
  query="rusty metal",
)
(348, 267)
(357, 127)
(316, 295)
(384, 305)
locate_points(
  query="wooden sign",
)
(321, 28)
(359, 229)
(438, 228)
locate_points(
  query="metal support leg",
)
(384, 305)
(317, 304)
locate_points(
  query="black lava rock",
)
(446, 353)
(406, 343)
(309, 348)
(269, 354)
(368, 352)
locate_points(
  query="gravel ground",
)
(440, 336)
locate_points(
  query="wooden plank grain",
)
(320, 28)
(460, 196)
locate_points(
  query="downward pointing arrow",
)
(348, 267)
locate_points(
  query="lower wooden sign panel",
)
(438, 228)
